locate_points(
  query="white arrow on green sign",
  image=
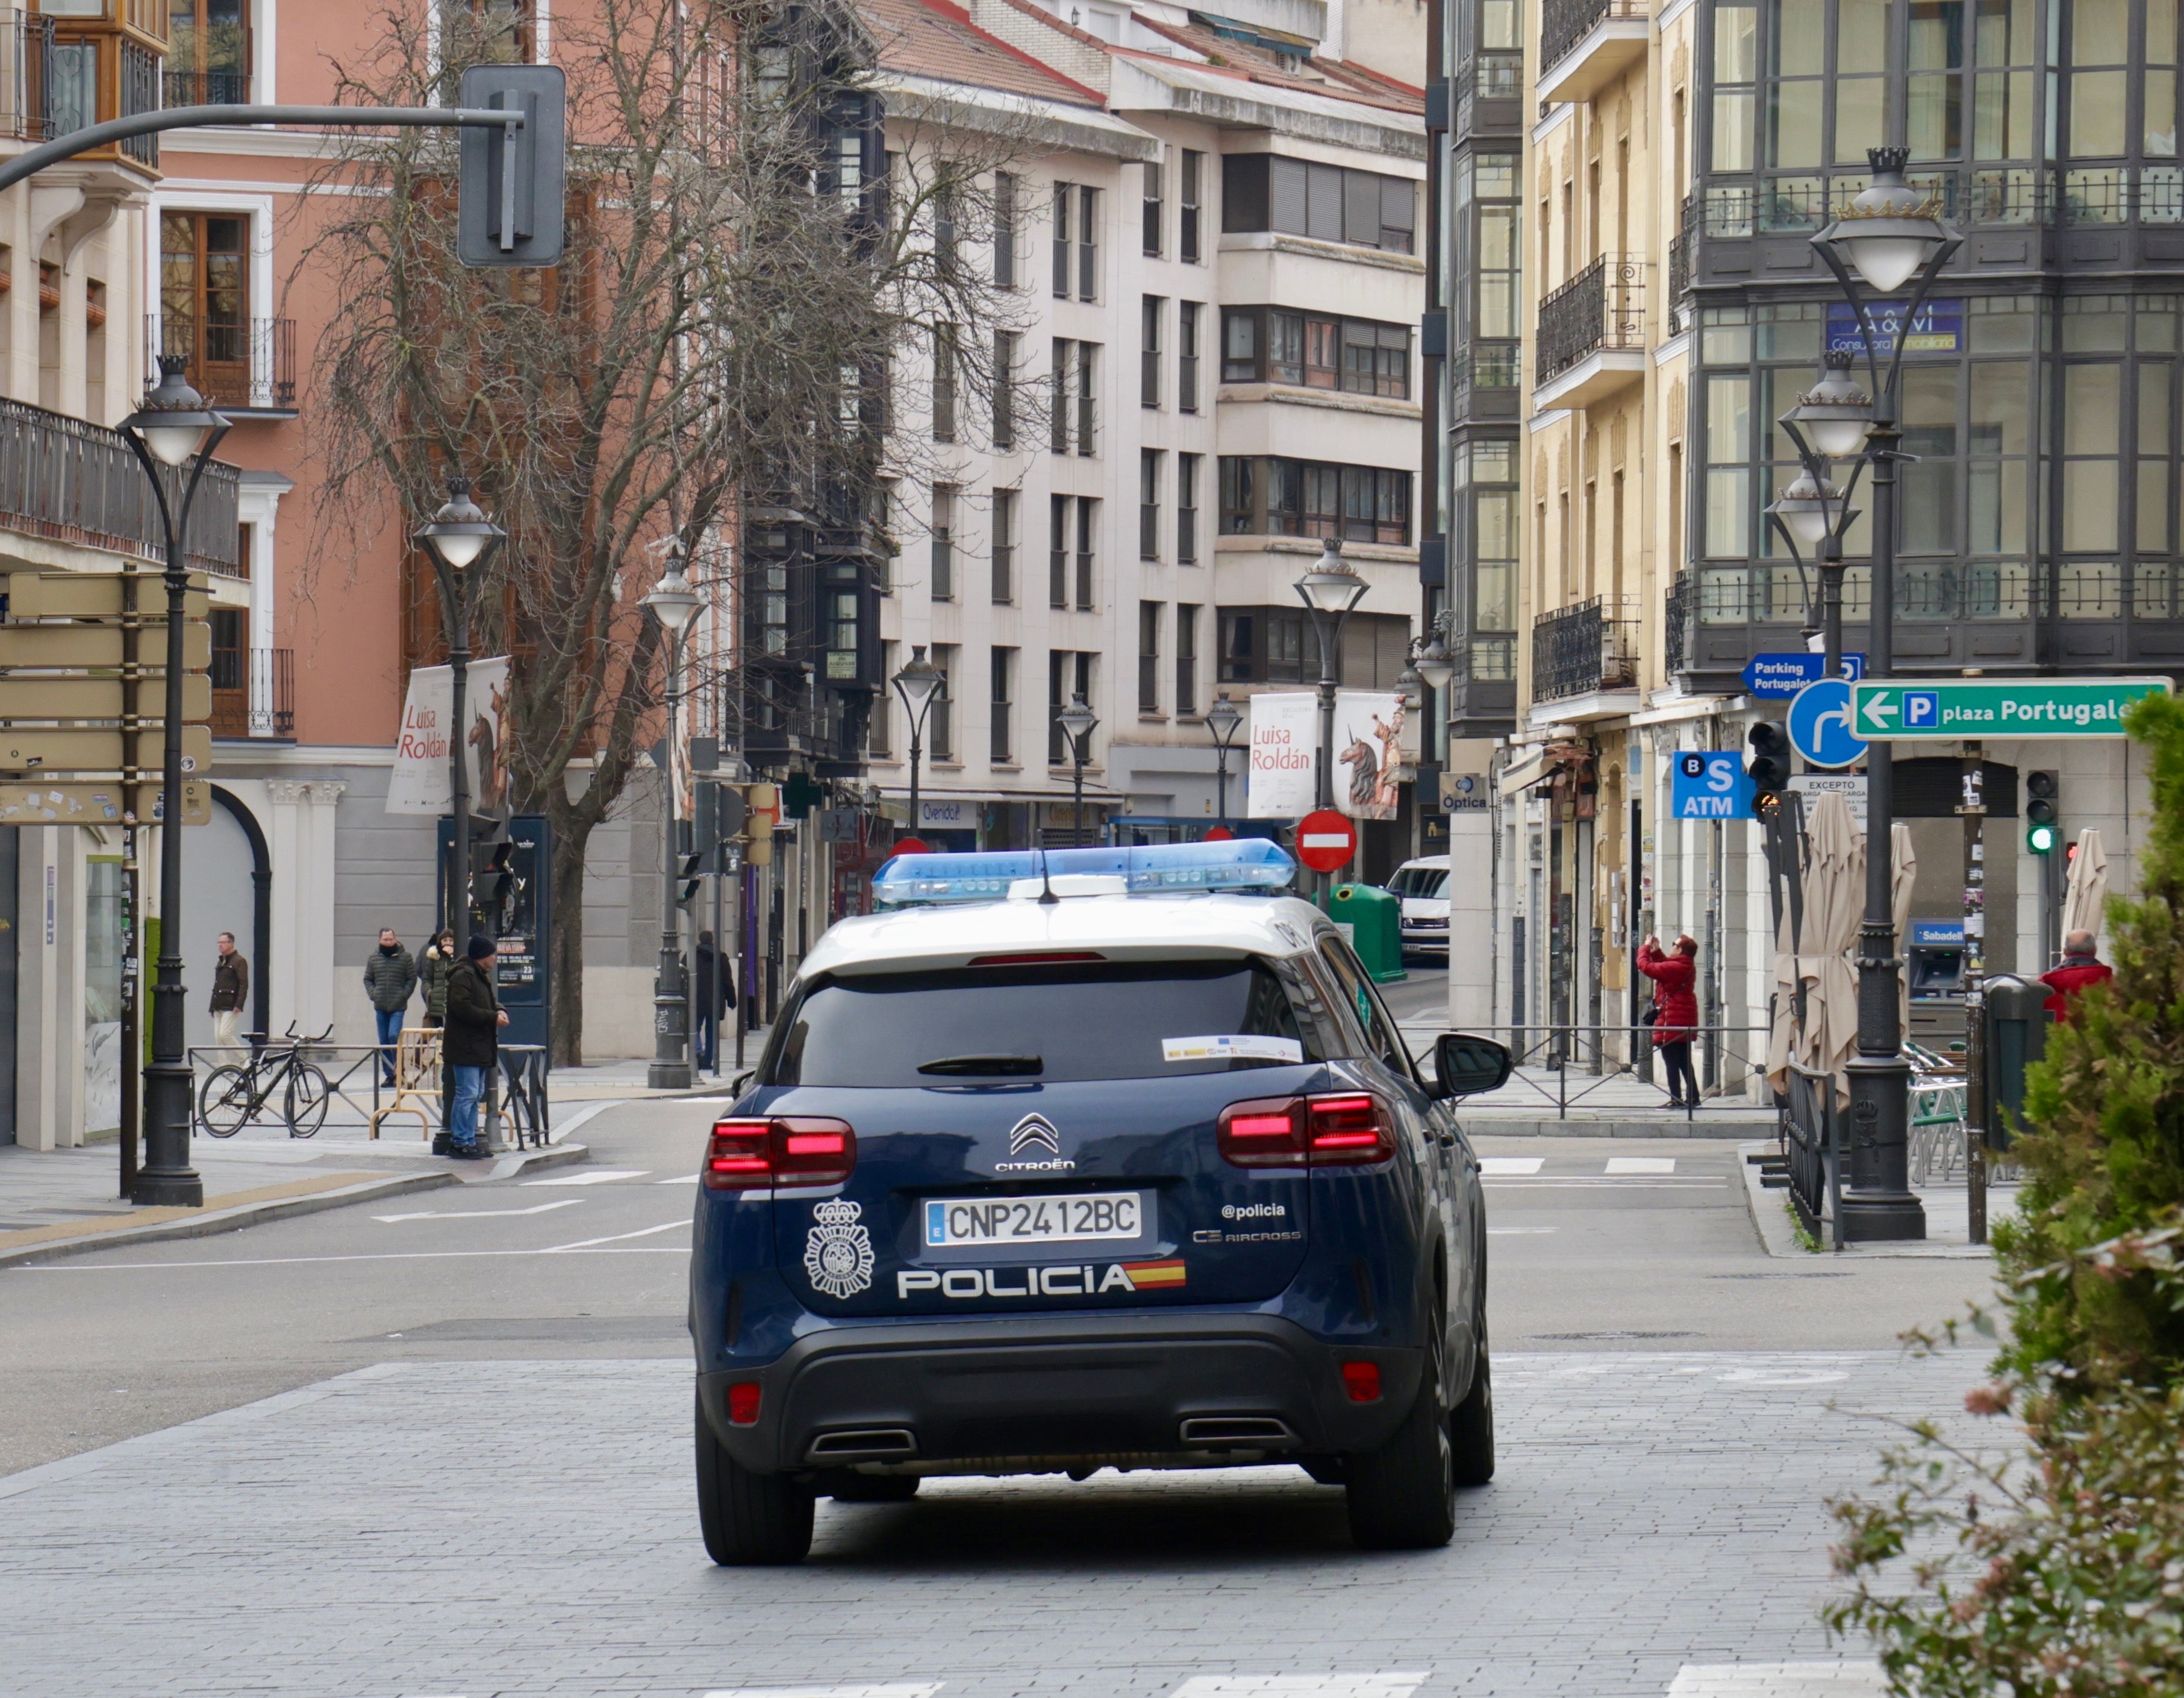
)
(1900, 709)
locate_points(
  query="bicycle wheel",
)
(305, 1106)
(224, 1105)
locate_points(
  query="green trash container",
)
(1372, 920)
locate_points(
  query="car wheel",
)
(750, 1520)
(1403, 1496)
(1471, 1422)
(848, 1487)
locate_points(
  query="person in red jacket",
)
(1676, 1017)
(2080, 967)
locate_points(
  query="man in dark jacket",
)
(390, 980)
(475, 1017)
(231, 993)
(709, 980)
(2080, 967)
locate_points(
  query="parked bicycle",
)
(234, 1095)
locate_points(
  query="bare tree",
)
(731, 298)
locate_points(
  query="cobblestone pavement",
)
(524, 1527)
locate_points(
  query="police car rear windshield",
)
(1114, 1020)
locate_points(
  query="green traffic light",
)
(2040, 839)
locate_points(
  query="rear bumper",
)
(1044, 1392)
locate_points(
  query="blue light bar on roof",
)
(1246, 864)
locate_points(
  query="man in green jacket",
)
(390, 980)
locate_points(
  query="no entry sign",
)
(1326, 840)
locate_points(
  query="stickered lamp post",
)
(1078, 723)
(1331, 590)
(674, 603)
(918, 683)
(1222, 720)
(458, 536)
(173, 428)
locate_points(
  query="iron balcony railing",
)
(26, 51)
(1679, 253)
(207, 87)
(1602, 307)
(245, 366)
(74, 481)
(1565, 23)
(1488, 77)
(1676, 624)
(254, 691)
(1592, 646)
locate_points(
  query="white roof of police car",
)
(1120, 927)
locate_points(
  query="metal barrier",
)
(1562, 1053)
(1812, 1147)
(523, 1068)
(356, 1091)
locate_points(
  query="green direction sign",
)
(1899, 709)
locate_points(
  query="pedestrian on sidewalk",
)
(1676, 1013)
(2082, 967)
(390, 980)
(475, 1017)
(230, 992)
(711, 984)
(439, 961)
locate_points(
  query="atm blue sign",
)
(1938, 329)
(1709, 784)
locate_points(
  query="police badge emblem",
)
(838, 1255)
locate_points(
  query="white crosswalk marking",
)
(591, 1176)
(1779, 1680)
(1510, 1164)
(1302, 1685)
(479, 1214)
(905, 1690)
(1641, 1164)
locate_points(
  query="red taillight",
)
(743, 1400)
(1361, 1380)
(748, 1155)
(1297, 1132)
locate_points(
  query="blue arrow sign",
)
(1777, 677)
(1709, 784)
(1819, 725)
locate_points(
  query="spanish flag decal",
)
(1148, 1275)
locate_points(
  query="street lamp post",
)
(173, 428)
(918, 683)
(1330, 590)
(1078, 723)
(674, 603)
(1222, 719)
(458, 537)
(1889, 236)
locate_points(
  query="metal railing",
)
(1812, 1150)
(206, 87)
(1675, 628)
(1565, 1066)
(249, 365)
(515, 1102)
(1592, 646)
(254, 691)
(1680, 247)
(1565, 23)
(1602, 307)
(1486, 364)
(75, 481)
(27, 47)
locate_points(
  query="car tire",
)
(750, 1520)
(1471, 1422)
(848, 1487)
(1403, 1496)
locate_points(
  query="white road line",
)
(364, 1255)
(907, 1690)
(1641, 1164)
(479, 1214)
(1302, 1685)
(1510, 1164)
(1519, 1232)
(1779, 1680)
(679, 1179)
(586, 1244)
(591, 1176)
(1552, 1183)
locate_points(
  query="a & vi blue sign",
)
(1710, 784)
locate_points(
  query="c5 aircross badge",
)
(838, 1255)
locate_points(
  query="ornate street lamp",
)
(1077, 721)
(918, 683)
(1435, 665)
(458, 537)
(674, 603)
(173, 428)
(1331, 590)
(1222, 719)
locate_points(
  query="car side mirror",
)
(1466, 1066)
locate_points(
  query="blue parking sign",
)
(1709, 784)
(1922, 710)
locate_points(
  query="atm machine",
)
(1934, 970)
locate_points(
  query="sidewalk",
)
(1948, 1220)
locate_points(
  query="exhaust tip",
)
(863, 1445)
(1254, 1431)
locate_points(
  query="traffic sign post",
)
(1903, 710)
(1326, 840)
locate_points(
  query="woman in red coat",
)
(1676, 1019)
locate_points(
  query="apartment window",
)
(943, 542)
(1057, 555)
(1088, 524)
(204, 298)
(1004, 547)
(1186, 508)
(879, 726)
(943, 383)
(1357, 356)
(1064, 207)
(1292, 497)
(502, 31)
(1088, 244)
(1005, 389)
(1067, 675)
(1149, 315)
(1088, 411)
(1001, 749)
(843, 604)
(1149, 624)
(945, 258)
(1186, 659)
(940, 717)
(1363, 209)
(1154, 212)
(1262, 645)
(1058, 408)
(1194, 171)
(207, 53)
(1149, 483)
(1186, 356)
(1005, 230)
(886, 521)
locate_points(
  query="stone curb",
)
(1770, 1210)
(1502, 1124)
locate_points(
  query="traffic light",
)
(1768, 766)
(509, 209)
(2042, 828)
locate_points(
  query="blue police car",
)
(1095, 1157)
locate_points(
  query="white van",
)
(1423, 887)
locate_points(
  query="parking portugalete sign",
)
(1777, 677)
(1906, 709)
